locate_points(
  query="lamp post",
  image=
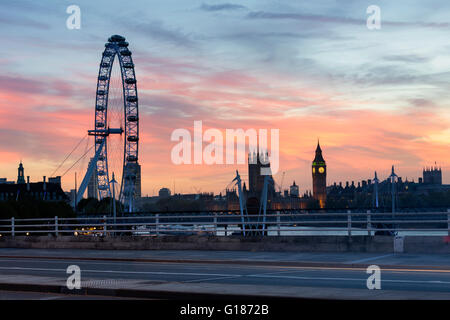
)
(113, 181)
(375, 182)
(393, 178)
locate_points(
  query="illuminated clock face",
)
(321, 170)
(314, 170)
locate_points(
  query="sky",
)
(312, 69)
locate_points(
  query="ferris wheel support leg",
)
(88, 175)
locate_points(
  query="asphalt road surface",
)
(20, 295)
(154, 272)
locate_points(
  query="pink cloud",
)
(41, 125)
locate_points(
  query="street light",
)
(393, 177)
(113, 181)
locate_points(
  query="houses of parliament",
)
(338, 195)
(279, 199)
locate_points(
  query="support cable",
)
(77, 160)
(60, 165)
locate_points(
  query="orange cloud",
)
(356, 139)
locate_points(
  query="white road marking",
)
(348, 279)
(232, 275)
(51, 298)
(238, 276)
(210, 279)
(129, 272)
(186, 264)
(228, 266)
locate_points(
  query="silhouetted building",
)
(232, 199)
(319, 176)
(381, 193)
(55, 180)
(92, 188)
(134, 169)
(5, 181)
(293, 190)
(20, 175)
(72, 195)
(256, 162)
(432, 176)
(164, 193)
(38, 190)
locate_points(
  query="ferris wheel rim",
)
(117, 47)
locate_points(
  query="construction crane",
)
(197, 190)
(279, 187)
(281, 184)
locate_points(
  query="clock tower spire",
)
(319, 176)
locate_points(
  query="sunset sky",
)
(312, 69)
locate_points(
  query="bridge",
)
(204, 255)
(230, 222)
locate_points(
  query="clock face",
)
(321, 170)
(314, 170)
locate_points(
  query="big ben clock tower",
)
(319, 176)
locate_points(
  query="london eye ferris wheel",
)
(116, 132)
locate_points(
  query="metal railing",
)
(276, 223)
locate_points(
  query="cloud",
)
(157, 30)
(422, 103)
(278, 36)
(303, 17)
(27, 85)
(393, 75)
(23, 22)
(340, 20)
(256, 70)
(20, 84)
(222, 7)
(407, 58)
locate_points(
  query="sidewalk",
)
(411, 261)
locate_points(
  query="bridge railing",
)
(276, 223)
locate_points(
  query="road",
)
(421, 281)
(20, 295)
